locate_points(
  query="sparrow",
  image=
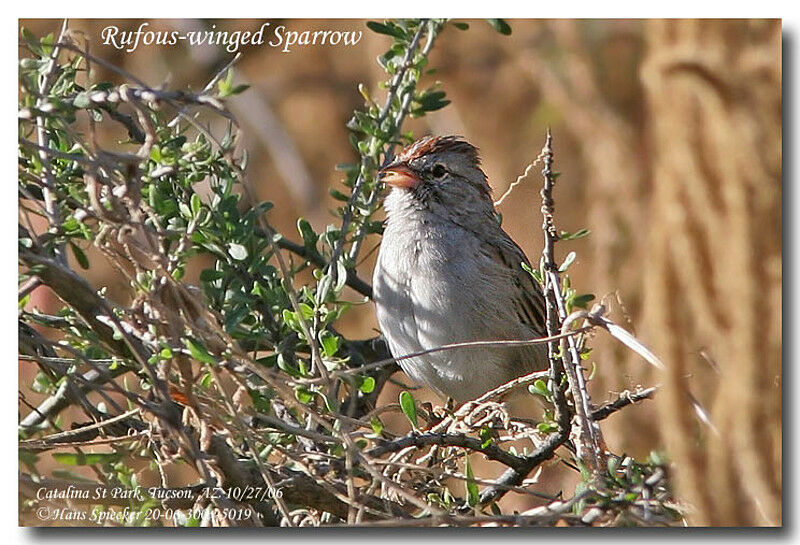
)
(447, 273)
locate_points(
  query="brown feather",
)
(435, 144)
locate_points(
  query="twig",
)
(48, 189)
(315, 258)
(589, 433)
(560, 409)
(94, 310)
(515, 475)
(440, 474)
(28, 286)
(538, 516)
(359, 236)
(56, 403)
(453, 346)
(625, 398)
(518, 181)
(493, 452)
(210, 85)
(347, 217)
(149, 94)
(510, 385)
(56, 438)
(40, 446)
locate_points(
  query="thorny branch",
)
(590, 440)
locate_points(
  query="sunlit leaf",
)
(409, 408)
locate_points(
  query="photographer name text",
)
(279, 37)
(121, 505)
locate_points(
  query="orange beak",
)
(400, 176)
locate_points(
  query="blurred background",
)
(668, 137)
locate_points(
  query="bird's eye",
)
(438, 170)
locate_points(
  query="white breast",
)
(432, 288)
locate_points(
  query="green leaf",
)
(186, 212)
(210, 275)
(547, 427)
(303, 394)
(307, 232)
(433, 100)
(535, 273)
(461, 26)
(330, 343)
(580, 233)
(33, 42)
(262, 208)
(583, 300)
(47, 43)
(486, 437)
(500, 26)
(81, 100)
(196, 204)
(233, 318)
(80, 257)
(409, 408)
(367, 385)
(377, 425)
(226, 85)
(539, 387)
(290, 319)
(389, 29)
(613, 464)
(286, 366)
(198, 351)
(306, 311)
(86, 459)
(42, 383)
(338, 195)
(473, 495)
(178, 272)
(586, 473)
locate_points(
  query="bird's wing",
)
(528, 299)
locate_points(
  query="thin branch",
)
(623, 400)
(515, 476)
(359, 236)
(315, 258)
(53, 405)
(28, 286)
(56, 438)
(493, 452)
(41, 446)
(518, 181)
(453, 346)
(347, 217)
(48, 189)
(589, 433)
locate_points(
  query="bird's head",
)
(442, 174)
